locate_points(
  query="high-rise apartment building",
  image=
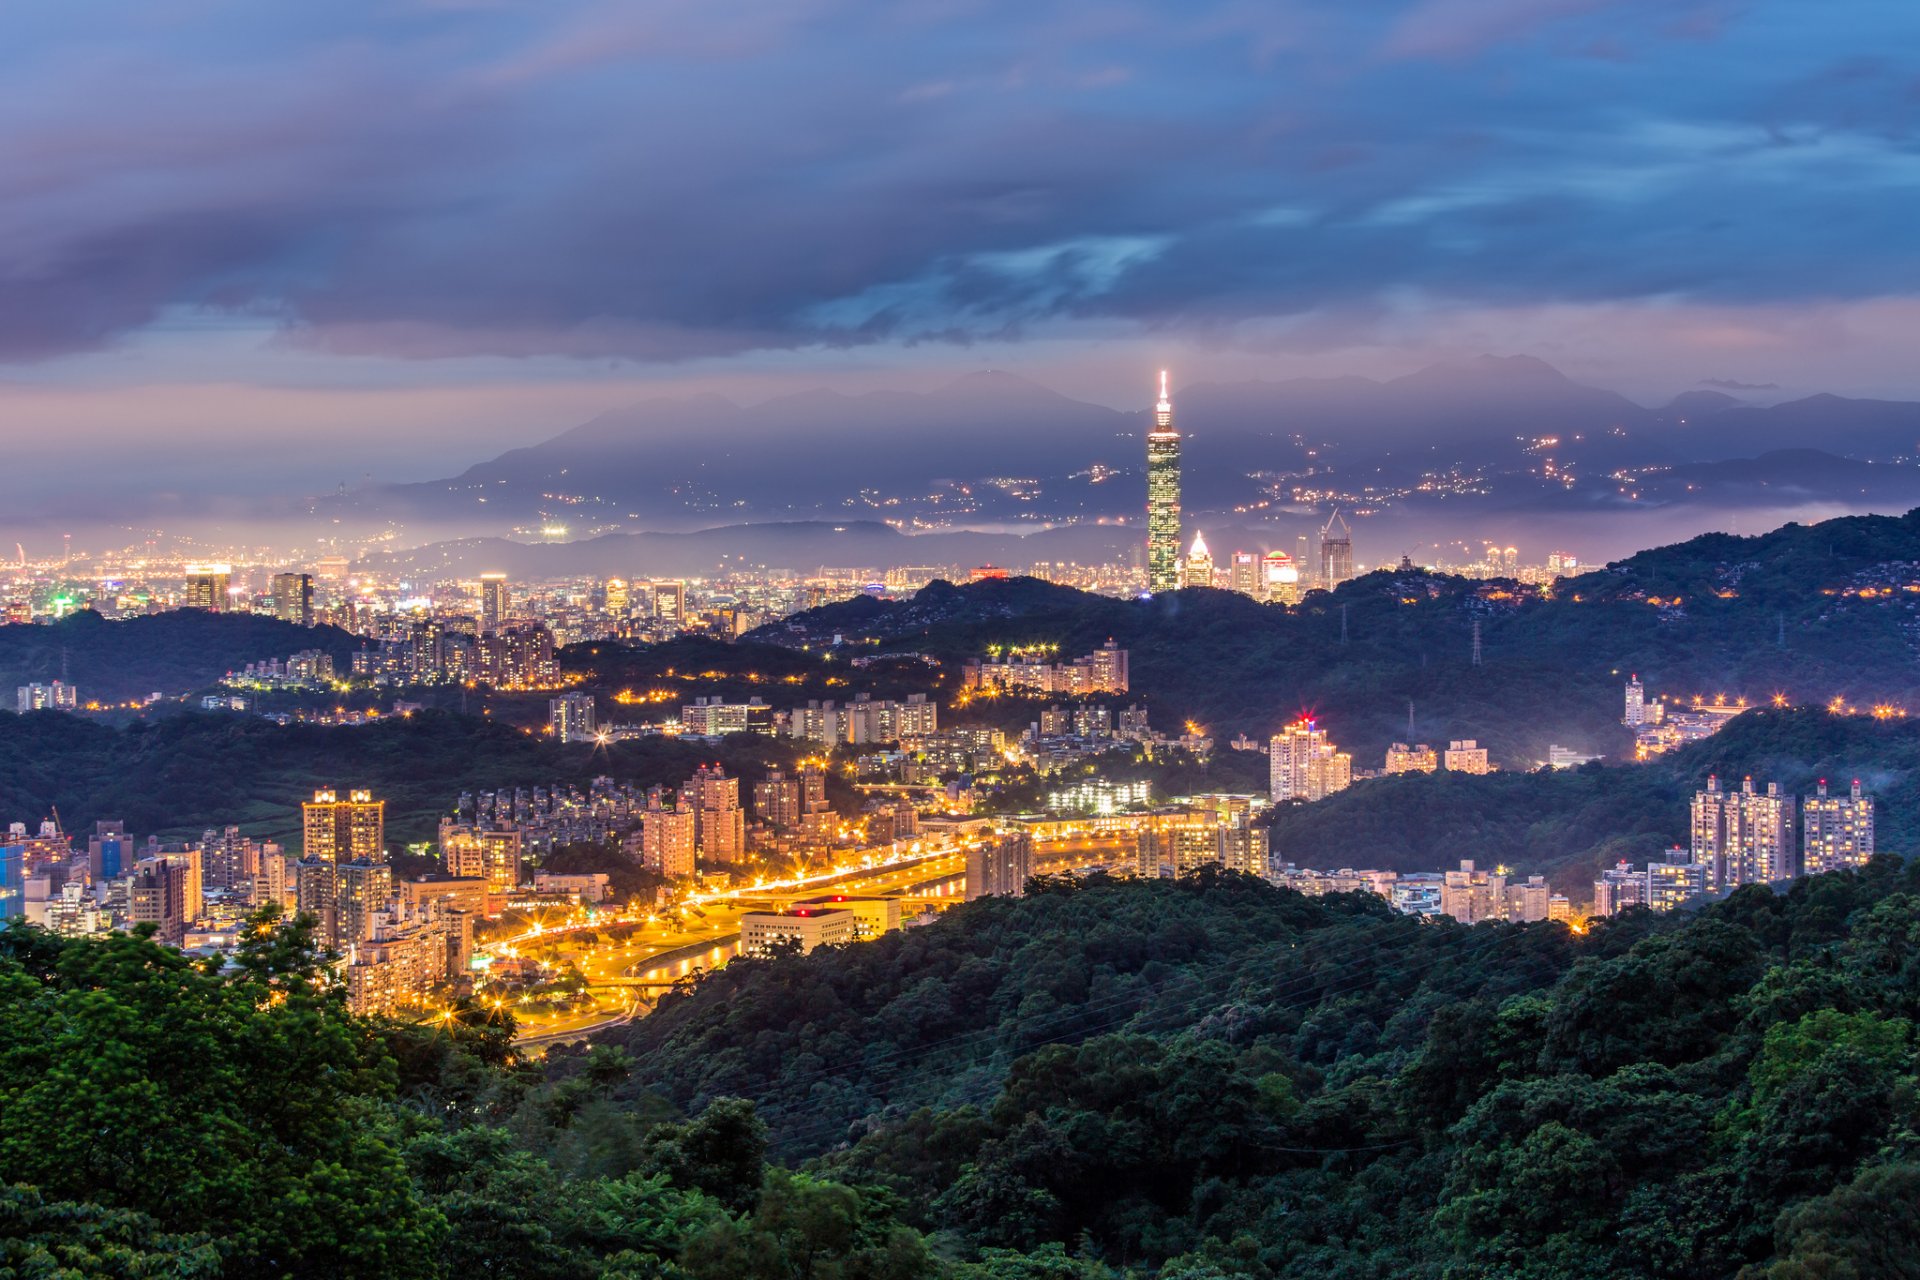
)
(720, 826)
(1466, 755)
(350, 830)
(1636, 712)
(999, 866)
(229, 860)
(1746, 837)
(293, 598)
(1304, 765)
(495, 608)
(58, 696)
(1836, 831)
(570, 717)
(476, 854)
(361, 891)
(665, 840)
(207, 586)
(1163, 496)
(1336, 552)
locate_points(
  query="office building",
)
(570, 717)
(1304, 765)
(670, 602)
(1744, 837)
(1280, 578)
(1466, 755)
(110, 853)
(1199, 568)
(618, 597)
(208, 585)
(1244, 575)
(13, 872)
(1836, 831)
(293, 598)
(1336, 552)
(1163, 496)
(714, 717)
(495, 608)
(350, 830)
(999, 866)
(765, 933)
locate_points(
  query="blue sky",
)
(430, 228)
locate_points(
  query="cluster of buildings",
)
(439, 651)
(1749, 836)
(1462, 755)
(1659, 727)
(307, 669)
(57, 695)
(1029, 671)
(395, 940)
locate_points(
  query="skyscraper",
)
(1746, 837)
(1163, 497)
(1244, 575)
(493, 602)
(293, 598)
(1836, 831)
(336, 830)
(720, 827)
(207, 586)
(1336, 552)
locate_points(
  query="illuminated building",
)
(664, 841)
(58, 696)
(1661, 886)
(229, 860)
(872, 917)
(494, 605)
(1336, 552)
(670, 601)
(999, 866)
(207, 586)
(293, 598)
(1244, 574)
(1304, 765)
(1636, 712)
(350, 830)
(13, 870)
(764, 933)
(1404, 759)
(360, 890)
(1745, 837)
(570, 717)
(160, 895)
(1836, 831)
(1199, 570)
(618, 598)
(714, 717)
(1279, 578)
(1028, 671)
(475, 854)
(720, 826)
(1466, 755)
(1163, 496)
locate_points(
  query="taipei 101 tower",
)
(1163, 497)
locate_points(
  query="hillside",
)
(1706, 616)
(171, 653)
(1215, 1078)
(1570, 825)
(178, 775)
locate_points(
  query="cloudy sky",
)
(298, 243)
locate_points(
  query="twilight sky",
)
(292, 244)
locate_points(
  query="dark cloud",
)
(665, 181)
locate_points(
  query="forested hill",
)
(1215, 1078)
(171, 653)
(1571, 824)
(1812, 612)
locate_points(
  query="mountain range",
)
(1501, 447)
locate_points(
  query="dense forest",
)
(170, 653)
(1187, 1080)
(1809, 611)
